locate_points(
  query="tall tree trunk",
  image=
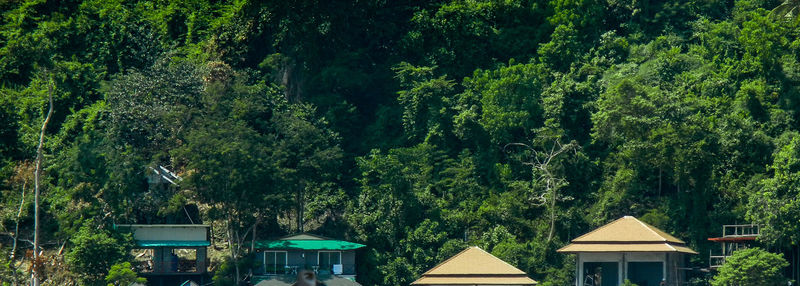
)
(15, 282)
(252, 245)
(234, 249)
(253, 238)
(553, 198)
(36, 181)
(300, 210)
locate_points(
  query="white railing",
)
(733, 231)
(738, 230)
(716, 260)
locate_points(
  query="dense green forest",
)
(414, 127)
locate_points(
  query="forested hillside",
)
(414, 127)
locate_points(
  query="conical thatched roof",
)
(474, 266)
(627, 234)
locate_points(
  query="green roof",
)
(308, 244)
(171, 243)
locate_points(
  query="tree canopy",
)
(414, 127)
(752, 266)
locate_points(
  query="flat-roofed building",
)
(166, 253)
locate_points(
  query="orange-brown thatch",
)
(474, 266)
(627, 234)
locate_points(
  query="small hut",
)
(171, 254)
(630, 249)
(474, 266)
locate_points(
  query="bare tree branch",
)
(540, 163)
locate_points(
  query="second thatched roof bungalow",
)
(630, 249)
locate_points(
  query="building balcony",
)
(181, 266)
(321, 270)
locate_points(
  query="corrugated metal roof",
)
(474, 266)
(171, 243)
(627, 234)
(308, 244)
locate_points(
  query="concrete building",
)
(630, 249)
(171, 252)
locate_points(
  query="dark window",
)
(327, 259)
(274, 262)
(645, 273)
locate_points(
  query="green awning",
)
(308, 244)
(171, 243)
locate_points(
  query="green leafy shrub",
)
(751, 267)
(94, 252)
(122, 274)
(628, 283)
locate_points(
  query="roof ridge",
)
(507, 264)
(667, 239)
(647, 226)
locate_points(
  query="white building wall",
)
(170, 232)
(622, 259)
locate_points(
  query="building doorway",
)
(600, 274)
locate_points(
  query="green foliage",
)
(503, 102)
(751, 267)
(9, 125)
(460, 36)
(562, 50)
(425, 101)
(122, 274)
(580, 13)
(411, 126)
(141, 102)
(94, 252)
(775, 204)
(628, 283)
(224, 275)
